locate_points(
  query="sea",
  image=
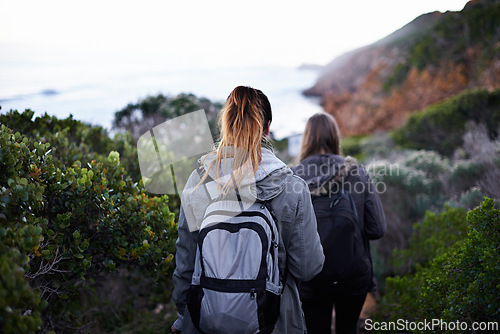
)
(94, 92)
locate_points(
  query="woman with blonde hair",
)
(349, 214)
(242, 162)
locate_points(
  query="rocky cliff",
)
(434, 57)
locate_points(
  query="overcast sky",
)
(201, 33)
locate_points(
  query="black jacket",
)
(318, 170)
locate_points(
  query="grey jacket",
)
(299, 241)
(318, 170)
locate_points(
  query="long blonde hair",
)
(321, 135)
(243, 122)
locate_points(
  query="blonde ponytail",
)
(243, 121)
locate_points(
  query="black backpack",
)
(347, 268)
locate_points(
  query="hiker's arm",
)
(374, 217)
(305, 253)
(184, 259)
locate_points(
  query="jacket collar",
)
(267, 182)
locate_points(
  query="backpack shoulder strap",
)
(212, 187)
(275, 219)
(201, 173)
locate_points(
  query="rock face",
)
(434, 57)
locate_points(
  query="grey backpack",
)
(236, 286)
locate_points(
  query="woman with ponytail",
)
(244, 161)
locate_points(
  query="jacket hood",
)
(267, 183)
(319, 169)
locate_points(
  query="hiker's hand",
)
(174, 330)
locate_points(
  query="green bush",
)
(431, 237)
(353, 146)
(441, 126)
(464, 284)
(64, 227)
(72, 140)
(454, 275)
(397, 77)
(434, 235)
(138, 117)
(414, 182)
(411, 183)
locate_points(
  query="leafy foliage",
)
(431, 237)
(465, 280)
(138, 117)
(441, 127)
(416, 179)
(460, 281)
(71, 140)
(398, 76)
(411, 183)
(450, 40)
(65, 224)
(353, 146)
(453, 33)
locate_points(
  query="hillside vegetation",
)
(441, 127)
(83, 247)
(435, 57)
(437, 260)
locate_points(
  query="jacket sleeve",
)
(184, 259)
(374, 217)
(305, 253)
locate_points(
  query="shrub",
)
(464, 284)
(441, 127)
(353, 146)
(397, 77)
(465, 173)
(65, 226)
(468, 199)
(412, 183)
(431, 237)
(455, 277)
(138, 117)
(486, 154)
(434, 235)
(72, 140)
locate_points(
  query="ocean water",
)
(94, 92)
